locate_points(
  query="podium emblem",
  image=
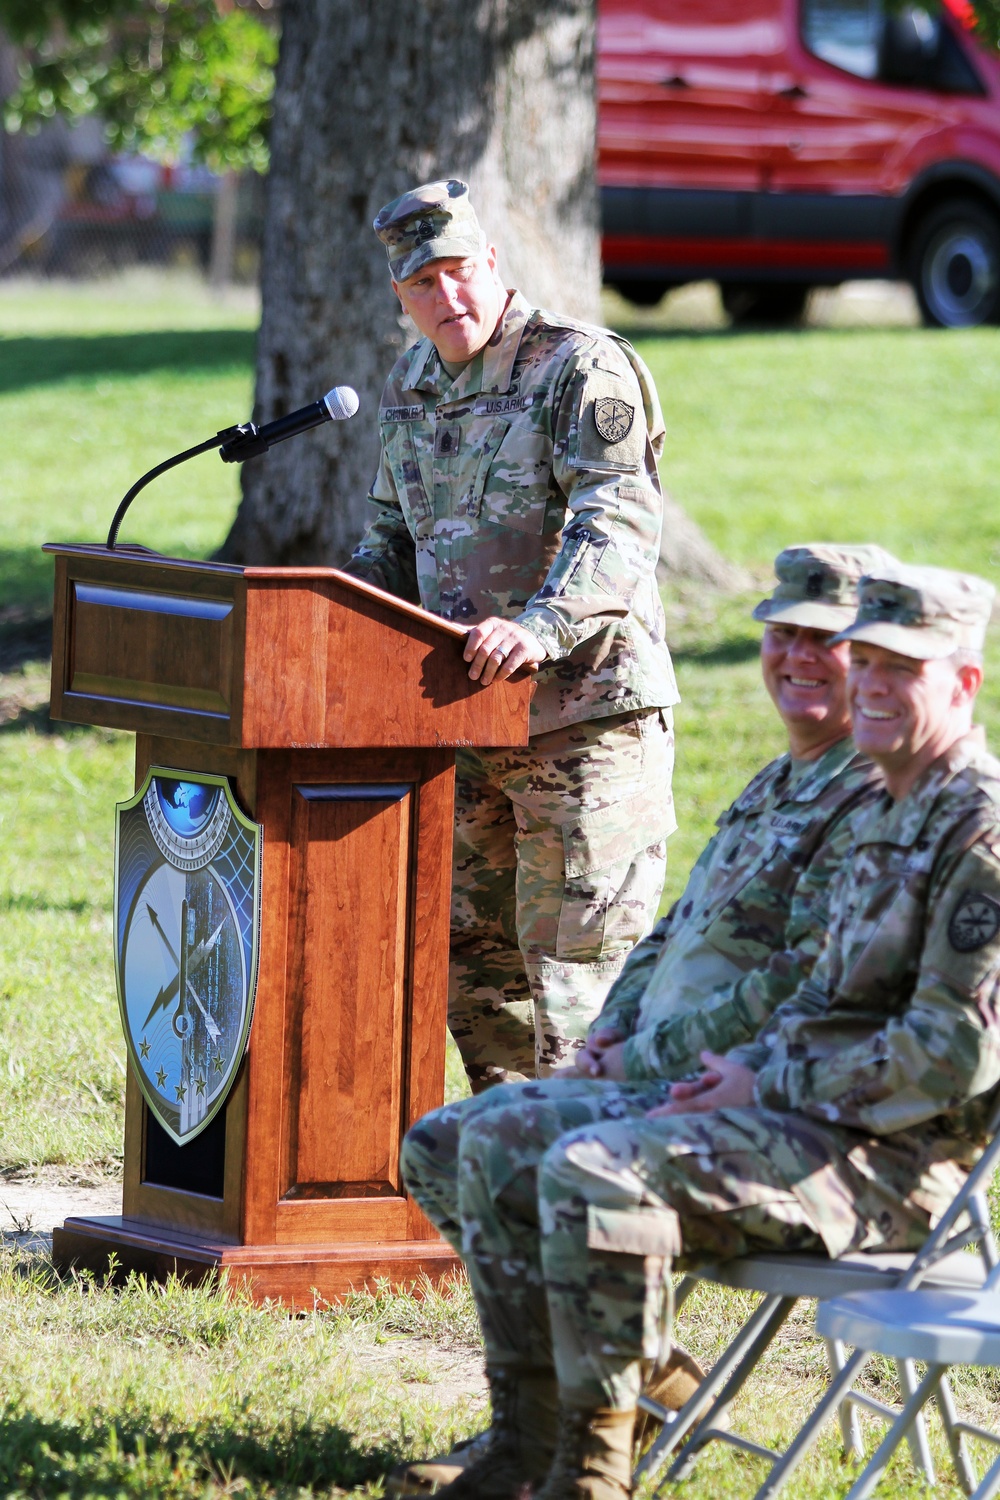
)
(187, 926)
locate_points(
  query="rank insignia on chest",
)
(447, 441)
(974, 922)
(187, 927)
(613, 418)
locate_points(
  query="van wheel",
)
(955, 265)
(764, 304)
(643, 293)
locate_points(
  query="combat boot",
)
(593, 1459)
(427, 1476)
(674, 1383)
(521, 1439)
(671, 1386)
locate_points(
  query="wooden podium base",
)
(297, 1275)
(335, 711)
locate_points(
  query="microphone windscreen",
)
(341, 402)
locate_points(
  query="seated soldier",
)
(848, 1125)
(751, 920)
(747, 929)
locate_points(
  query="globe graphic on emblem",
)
(186, 805)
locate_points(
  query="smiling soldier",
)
(849, 1124)
(746, 931)
(517, 493)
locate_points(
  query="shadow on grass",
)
(24, 637)
(641, 330)
(44, 359)
(135, 1456)
(35, 720)
(25, 591)
(32, 901)
(729, 653)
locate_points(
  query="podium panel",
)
(333, 710)
(347, 1005)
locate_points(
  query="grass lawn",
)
(881, 433)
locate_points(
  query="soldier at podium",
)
(517, 493)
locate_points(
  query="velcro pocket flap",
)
(638, 1231)
(608, 836)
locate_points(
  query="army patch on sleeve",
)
(613, 418)
(974, 922)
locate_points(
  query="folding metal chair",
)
(782, 1280)
(942, 1328)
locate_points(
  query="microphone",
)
(236, 444)
(250, 440)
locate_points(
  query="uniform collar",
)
(902, 822)
(808, 781)
(498, 364)
(492, 373)
(786, 781)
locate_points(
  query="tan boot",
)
(427, 1476)
(517, 1451)
(593, 1459)
(671, 1386)
(675, 1383)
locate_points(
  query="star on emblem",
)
(181, 1092)
(144, 1049)
(218, 1064)
(199, 1084)
(161, 1077)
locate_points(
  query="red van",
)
(777, 145)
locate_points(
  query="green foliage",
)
(156, 71)
(984, 15)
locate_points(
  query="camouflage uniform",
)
(751, 921)
(526, 488)
(752, 917)
(875, 1086)
(551, 890)
(745, 932)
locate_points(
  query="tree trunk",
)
(687, 554)
(369, 101)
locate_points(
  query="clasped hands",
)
(723, 1085)
(497, 648)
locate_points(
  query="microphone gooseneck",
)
(237, 444)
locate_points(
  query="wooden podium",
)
(335, 710)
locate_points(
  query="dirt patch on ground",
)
(31, 1207)
(449, 1375)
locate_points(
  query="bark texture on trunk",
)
(369, 101)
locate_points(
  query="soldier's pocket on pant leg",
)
(613, 880)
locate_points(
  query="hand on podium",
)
(497, 648)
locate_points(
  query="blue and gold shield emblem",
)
(187, 922)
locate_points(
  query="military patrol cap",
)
(922, 612)
(428, 223)
(817, 585)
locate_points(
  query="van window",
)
(845, 33)
(909, 47)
